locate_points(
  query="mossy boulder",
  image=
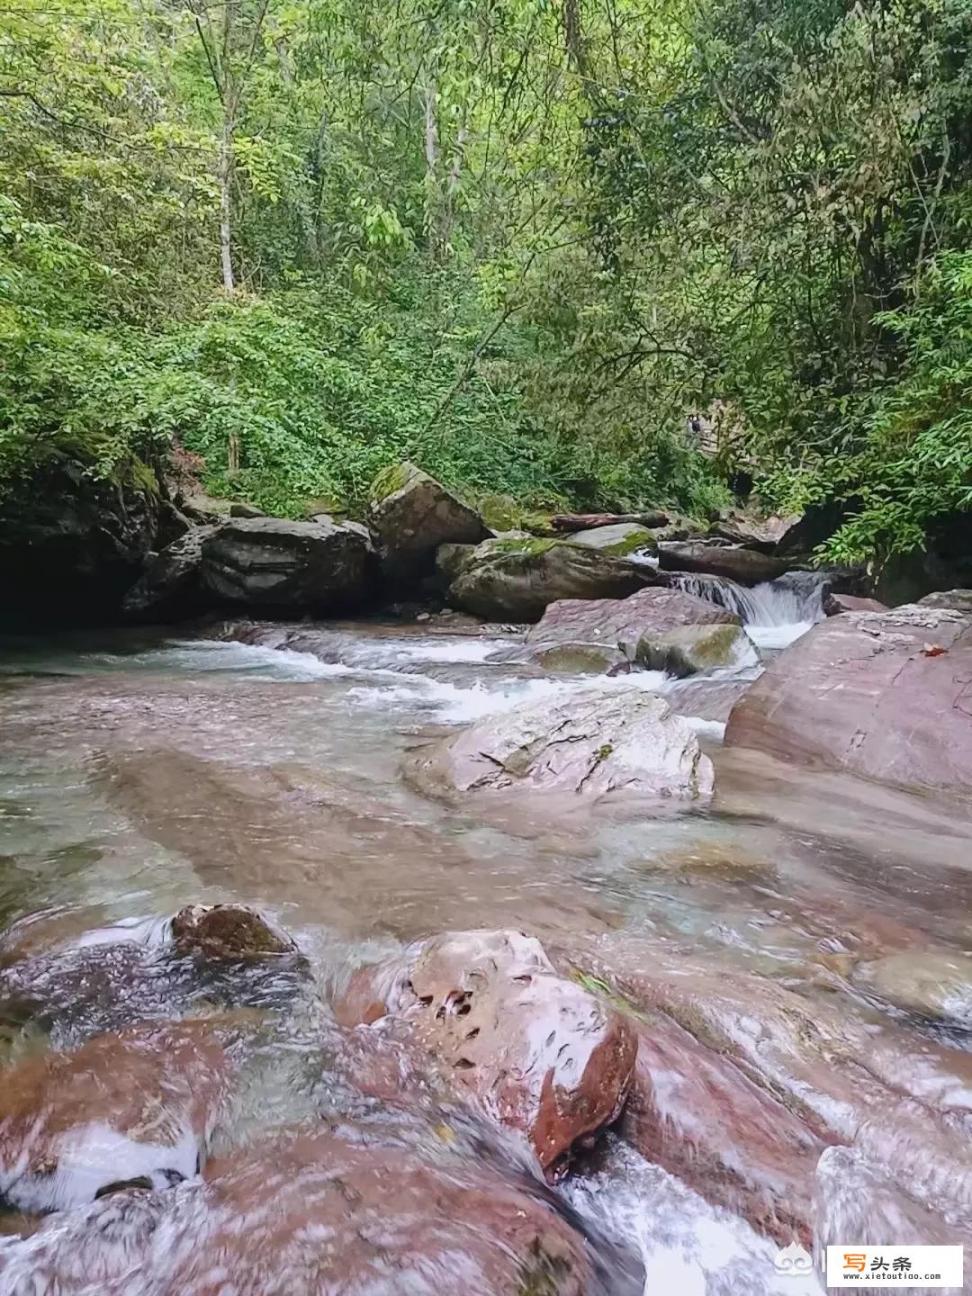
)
(517, 579)
(695, 649)
(412, 514)
(622, 539)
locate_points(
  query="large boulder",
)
(411, 514)
(398, 1206)
(732, 562)
(883, 695)
(71, 544)
(621, 539)
(591, 636)
(540, 1053)
(277, 565)
(170, 586)
(621, 622)
(515, 580)
(695, 649)
(596, 741)
(132, 1109)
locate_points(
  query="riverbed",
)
(141, 771)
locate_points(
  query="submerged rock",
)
(364, 1210)
(278, 565)
(412, 514)
(79, 982)
(884, 695)
(598, 740)
(516, 580)
(540, 1053)
(691, 650)
(693, 1112)
(133, 1109)
(931, 983)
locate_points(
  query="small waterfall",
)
(773, 614)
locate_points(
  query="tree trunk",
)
(225, 169)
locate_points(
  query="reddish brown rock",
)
(540, 1053)
(364, 1211)
(694, 1113)
(620, 623)
(884, 695)
(135, 1107)
(845, 1082)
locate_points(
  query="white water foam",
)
(456, 704)
(774, 614)
(687, 1246)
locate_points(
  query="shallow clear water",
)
(139, 774)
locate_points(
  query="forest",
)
(522, 242)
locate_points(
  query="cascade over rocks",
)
(745, 566)
(540, 1053)
(841, 1080)
(516, 580)
(596, 741)
(81, 982)
(411, 514)
(133, 1109)
(693, 1112)
(885, 695)
(375, 1209)
(277, 565)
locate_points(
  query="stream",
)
(141, 772)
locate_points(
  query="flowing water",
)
(140, 773)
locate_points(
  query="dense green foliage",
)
(518, 241)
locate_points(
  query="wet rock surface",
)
(599, 741)
(364, 1209)
(616, 625)
(884, 695)
(540, 1053)
(691, 650)
(132, 1108)
(931, 983)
